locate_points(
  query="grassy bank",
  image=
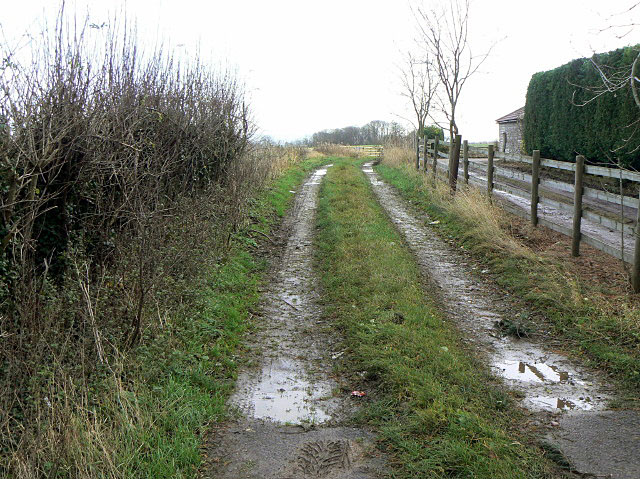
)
(439, 414)
(598, 322)
(143, 411)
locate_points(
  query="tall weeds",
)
(123, 175)
(399, 156)
(332, 149)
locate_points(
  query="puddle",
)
(564, 404)
(526, 362)
(284, 394)
(547, 381)
(291, 385)
(537, 372)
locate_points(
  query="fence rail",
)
(616, 173)
(513, 189)
(375, 151)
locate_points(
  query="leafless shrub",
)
(121, 174)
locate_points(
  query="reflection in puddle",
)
(284, 390)
(550, 402)
(316, 177)
(536, 372)
(283, 395)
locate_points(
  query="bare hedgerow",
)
(123, 174)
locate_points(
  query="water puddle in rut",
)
(548, 381)
(285, 394)
(291, 386)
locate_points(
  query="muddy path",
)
(290, 409)
(566, 403)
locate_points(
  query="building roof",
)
(513, 116)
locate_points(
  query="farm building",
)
(510, 130)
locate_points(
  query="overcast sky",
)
(317, 65)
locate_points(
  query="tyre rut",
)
(564, 398)
(289, 423)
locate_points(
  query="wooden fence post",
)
(454, 163)
(425, 151)
(490, 171)
(635, 274)
(577, 206)
(535, 181)
(435, 158)
(465, 160)
(417, 151)
(451, 143)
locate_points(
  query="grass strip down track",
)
(438, 412)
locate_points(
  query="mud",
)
(289, 407)
(602, 444)
(551, 386)
(268, 451)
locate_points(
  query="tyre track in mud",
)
(568, 402)
(289, 423)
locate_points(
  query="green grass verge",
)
(604, 329)
(438, 412)
(184, 377)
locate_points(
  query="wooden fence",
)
(375, 151)
(529, 186)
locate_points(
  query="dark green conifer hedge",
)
(603, 130)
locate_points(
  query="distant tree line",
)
(375, 132)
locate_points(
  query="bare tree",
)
(612, 80)
(445, 34)
(623, 28)
(615, 79)
(419, 85)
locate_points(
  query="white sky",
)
(326, 64)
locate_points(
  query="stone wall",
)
(512, 131)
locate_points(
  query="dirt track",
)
(568, 402)
(290, 413)
(289, 423)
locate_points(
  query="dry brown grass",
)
(331, 149)
(488, 222)
(483, 220)
(491, 229)
(276, 159)
(398, 156)
(313, 153)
